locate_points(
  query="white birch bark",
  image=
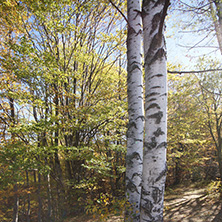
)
(217, 20)
(154, 163)
(134, 156)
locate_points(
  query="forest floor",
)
(189, 204)
(182, 204)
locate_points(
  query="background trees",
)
(193, 124)
(210, 88)
(63, 107)
(206, 29)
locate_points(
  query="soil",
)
(192, 205)
(181, 205)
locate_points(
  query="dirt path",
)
(192, 205)
(184, 205)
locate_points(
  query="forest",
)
(107, 107)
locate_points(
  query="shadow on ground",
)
(192, 206)
(218, 217)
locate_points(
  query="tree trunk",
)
(219, 154)
(39, 199)
(29, 201)
(58, 169)
(134, 156)
(49, 214)
(154, 163)
(16, 197)
(217, 20)
(16, 204)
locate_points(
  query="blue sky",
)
(180, 42)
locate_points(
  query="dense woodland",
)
(63, 109)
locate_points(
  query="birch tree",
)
(216, 13)
(134, 156)
(154, 163)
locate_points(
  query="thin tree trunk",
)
(134, 156)
(16, 197)
(217, 20)
(58, 170)
(49, 215)
(219, 138)
(39, 199)
(29, 202)
(220, 161)
(154, 163)
(16, 204)
(218, 29)
(34, 175)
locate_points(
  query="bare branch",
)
(193, 71)
(119, 11)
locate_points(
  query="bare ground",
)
(192, 205)
(184, 205)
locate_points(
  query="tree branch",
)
(119, 11)
(193, 71)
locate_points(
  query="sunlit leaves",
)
(63, 95)
(194, 105)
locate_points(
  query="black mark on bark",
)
(131, 157)
(162, 173)
(141, 117)
(158, 116)
(152, 94)
(134, 67)
(144, 192)
(163, 144)
(158, 132)
(150, 145)
(155, 87)
(132, 124)
(155, 22)
(157, 75)
(150, 100)
(157, 195)
(160, 53)
(131, 186)
(152, 106)
(136, 175)
(147, 207)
